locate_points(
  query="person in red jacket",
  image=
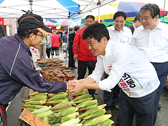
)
(55, 39)
(83, 54)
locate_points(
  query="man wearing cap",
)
(17, 69)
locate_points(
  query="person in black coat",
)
(71, 62)
(136, 24)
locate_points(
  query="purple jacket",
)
(17, 70)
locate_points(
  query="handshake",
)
(74, 86)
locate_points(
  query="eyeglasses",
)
(40, 35)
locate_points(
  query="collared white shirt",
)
(154, 44)
(128, 66)
(124, 36)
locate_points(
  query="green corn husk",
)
(37, 102)
(91, 111)
(98, 120)
(56, 101)
(89, 107)
(80, 93)
(67, 111)
(59, 96)
(45, 119)
(53, 119)
(82, 97)
(83, 100)
(50, 95)
(96, 114)
(87, 103)
(41, 110)
(35, 94)
(108, 122)
(57, 124)
(53, 94)
(39, 97)
(60, 110)
(44, 114)
(31, 109)
(71, 122)
(62, 105)
(78, 125)
(33, 106)
(69, 117)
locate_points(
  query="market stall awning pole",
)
(31, 3)
(99, 4)
(164, 9)
(68, 22)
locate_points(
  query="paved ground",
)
(14, 109)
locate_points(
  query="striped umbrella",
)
(131, 9)
(49, 24)
(64, 22)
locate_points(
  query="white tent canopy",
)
(47, 8)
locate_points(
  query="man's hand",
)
(75, 57)
(77, 86)
(69, 87)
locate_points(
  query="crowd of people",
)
(134, 60)
(138, 63)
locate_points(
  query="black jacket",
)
(131, 27)
(71, 40)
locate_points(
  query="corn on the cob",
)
(93, 110)
(53, 119)
(39, 97)
(44, 114)
(37, 102)
(36, 94)
(89, 107)
(87, 103)
(45, 119)
(82, 97)
(31, 109)
(57, 124)
(51, 95)
(71, 122)
(98, 120)
(81, 93)
(69, 117)
(83, 100)
(59, 96)
(106, 123)
(78, 125)
(33, 106)
(67, 111)
(56, 101)
(96, 114)
(62, 105)
(46, 108)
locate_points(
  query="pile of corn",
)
(62, 109)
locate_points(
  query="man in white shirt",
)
(127, 66)
(152, 40)
(118, 31)
(121, 34)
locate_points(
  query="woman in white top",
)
(128, 67)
